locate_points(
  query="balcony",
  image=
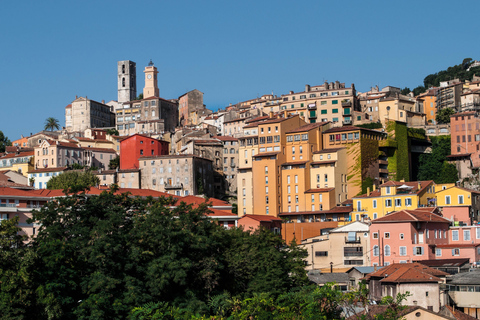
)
(347, 122)
(312, 106)
(173, 186)
(380, 162)
(352, 240)
(381, 170)
(359, 209)
(232, 165)
(346, 104)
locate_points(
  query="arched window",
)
(123, 82)
(375, 251)
(123, 69)
(387, 250)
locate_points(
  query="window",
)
(387, 190)
(375, 251)
(387, 250)
(402, 236)
(478, 233)
(408, 202)
(454, 235)
(334, 101)
(456, 252)
(438, 252)
(321, 253)
(466, 235)
(418, 251)
(375, 235)
(374, 203)
(266, 200)
(403, 251)
(460, 199)
(447, 200)
(386, 235)
(398, 202)
(266, 190)
(388, 202)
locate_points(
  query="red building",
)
(136, 146)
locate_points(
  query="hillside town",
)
(341, 173)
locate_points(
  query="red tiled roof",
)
(339, 209)
(411, 216)
(108, 150)
(319, 190)
(308, 127)
(21, 154)
(220, 213)
(458, 155)
(195, 200)
(331, 150)
(266, 154)
(407, 272)
(348, 128)
(259, 217)
(323, 162)
(53, 169)
(225, 138)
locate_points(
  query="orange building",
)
(429, 105)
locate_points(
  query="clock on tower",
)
(151, 83)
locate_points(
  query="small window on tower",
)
(123, 82)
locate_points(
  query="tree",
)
(139, 97)
(443, 116)
(448, 173)
(4, 141)
(112, 132)
(114, 163)
(419, 90)
(433, 166)
(51, 123)
(73, 180)
(405, 91)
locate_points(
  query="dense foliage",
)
(443, 116)
(114, 163)
(4, 141)
(434, 165)
(74, 180)
(371, 125)
(100, 257)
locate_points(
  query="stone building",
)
(188, 105)
(85, 113)
(230, 162)
(181, 175)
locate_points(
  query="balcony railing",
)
(352, 240)
(346, 103)
(173, 186)
(7, 205)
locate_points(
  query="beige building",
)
(84, 113)
(401, 108)
(332, 102)
(230, 162)
(180, 175)
(129, 178)
(58, 154)
(342, 247)
(98, 157)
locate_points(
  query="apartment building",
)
(401, 108)
(230, 162)
(449, 95)
(343, 247)
(180, 175)
(465, 136)
(52, 154)
(188, 105)
(393, 196)
(460, 205)
(40, 177)
(332, 102)
(136, 146)
(429, 105)
(21, 161)
(362, 154)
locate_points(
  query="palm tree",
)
(51, 123)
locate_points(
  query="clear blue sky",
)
(230, 50)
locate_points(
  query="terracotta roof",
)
(206, 141)
(331, 150)
(220, 213)
(319, 190)
(54, 169)
(339, 209)
(411, 216)
(460, 155)
(350, 128)
(414, 184)
(259, 217)
(108, 150)
(266, 154)
(257, 119)
(460, 188)
(225, 138)
(459, 315)
(21, 154)
(445, 262)
(407, 272)
(196, 200)
(323, 162)
(308, 127)
(295, 163)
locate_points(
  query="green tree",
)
(4, 141)
(114, 163)
(139, 97)
(443, 116)
(433, 166)
(419, 90)
(112, 132)
(16, 267)
(51, 123)
(405, 91)
(73, 180)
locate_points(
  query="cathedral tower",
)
(151, 82)
(127, 81)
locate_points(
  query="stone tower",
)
(151, 81)
(127, 81)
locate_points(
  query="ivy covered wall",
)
(398, 160)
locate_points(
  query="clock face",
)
(149, 76)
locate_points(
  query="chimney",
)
(307, 88)
(419, 186)
(375, 268)
(285, 113)
(368, 191)
(76, 97)
(402, 180)
(374, 187)
(103, 101)
(271, 114)
(290, 92)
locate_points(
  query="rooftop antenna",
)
(150, 64)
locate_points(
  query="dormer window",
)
(387, 190)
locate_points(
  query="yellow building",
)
(404, 109)
(21, 162)
(458, 204)
(393, 196)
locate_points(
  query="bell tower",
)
(151, 81)
(127, 81)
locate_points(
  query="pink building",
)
(407, 235)
(463, 242)
(253, 222)
(465, 136)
